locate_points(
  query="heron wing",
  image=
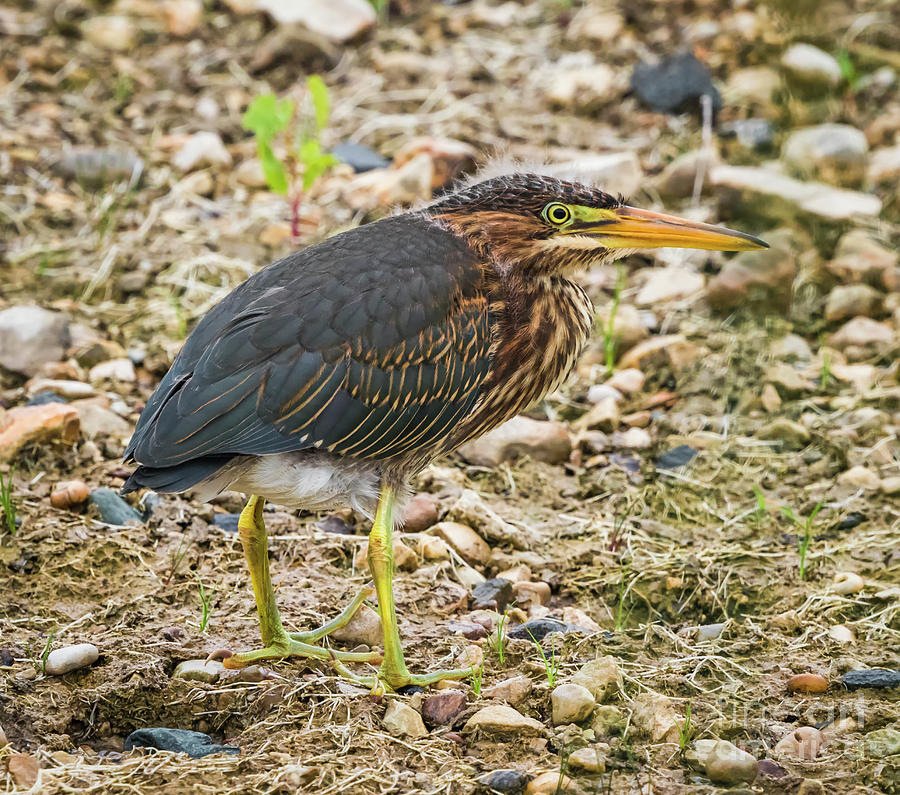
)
(373, 343)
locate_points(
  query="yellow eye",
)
(557, 213)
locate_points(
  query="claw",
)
(220, 654)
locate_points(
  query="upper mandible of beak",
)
(633, 228)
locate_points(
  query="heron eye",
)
(557, 213)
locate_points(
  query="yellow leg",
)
(393, 672)
(276, 642)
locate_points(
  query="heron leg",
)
(277, 643)
(393, 672)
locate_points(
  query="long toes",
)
(219, 654)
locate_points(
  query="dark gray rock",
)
(45, 396)
(538, 628)
(359, 157)
(226, 521)
(878, 678)
(195, 744)
(674, 84)
(113, 509)
(507, 782)
(676, 457)
(494, 594)
(95, 168)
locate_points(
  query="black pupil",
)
(559, 214)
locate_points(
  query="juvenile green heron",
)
(336, 374)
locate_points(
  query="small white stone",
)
(337, 20)
(71, 658)
(599, 392)
(201, 149)
(471, 547)
(859, 477)
(571, 704)
(199, 670)
(110, 32)
(400, 719)
(728, 764)
(841, 634)
(513, 691)
(114, 370)
(811, 63)
(601, 677)
(364, 627)
(627, 381)
(847, 582)
(498, 719)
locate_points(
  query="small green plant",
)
(476, 676)
(381, 8)
(204, 604)
(760, 513)
(269, 118)
(564, 753)
(40, 665)
(848, 69)
(685, 731)
(176, 558)
(6, 502)
(497, 641)
(610, 338)
(623, 614)
(806, 525)
(825, 376)
(551, 663)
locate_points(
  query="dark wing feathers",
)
(373, 344)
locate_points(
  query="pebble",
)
(603, 416)
(114, 509)
(499, 719)
(194, 744)
(470, 546)
(200, 150)
(449, 158)
(674, 84)
(600, 392)
(728, 764)
(862, 332)
(404, 557)
(836, 153)
(549, 783)
(768, 767)
(433, 548)
(791, 348)
(860, 477)
(443, 708)
(608, 721)
(764, 283)
(31, 337)
(627, 381)
(679, 456)
(338, 21)
(601, 677)
(3, 741)
(113, 370)
(199, 670)
(404, 185)
(698, 753)
(24, 770)
(669, 284)
(849, 300)
(811, 65)
(532, 593)
(359, 157)
(890, 486)
(470, 509)
(571, 703)
(68, 493)
(540, 440)
(807, 683)
(494, 594)
(754, 134)
(363, 628)
(884, 166)
(71, 658)
(576, 617)
(841, 634)
(421, 513)
(96, 168)
(802, 744)
(506, 782)
(815, 198)
(618, 172)
(859, 257)
(877, 678)
(655, 717)
(847, 582)
(182, 17)
(882, 742)
(110, 32)
(792, 435)
(72, 390)
(513, 691)
(811, 786)
(589, 759)
(752, 85)
(99, 421)
(582, 89)
(401, 720)
(596, 25)
(537, 629)
(710, 631)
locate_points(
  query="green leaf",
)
(273, 170)
(319, 93)
(315, 161)
(267, 116)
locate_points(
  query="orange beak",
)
(633, 228)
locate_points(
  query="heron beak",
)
(633, 228)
